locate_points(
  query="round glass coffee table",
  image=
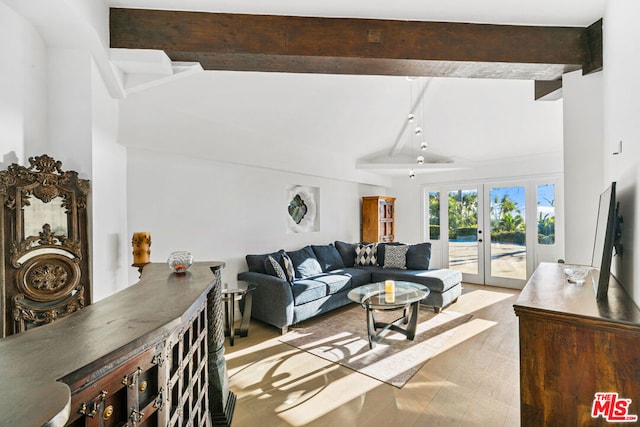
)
(390, 295)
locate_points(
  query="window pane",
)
(434, 215)
(463, 231)
(546, 214)
(508, 232)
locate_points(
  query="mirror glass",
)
(39, 213)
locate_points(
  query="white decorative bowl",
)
(180, 261)
(576, 273)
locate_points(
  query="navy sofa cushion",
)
(255, 263)
(437, 280)
(328, 257)
(347, 253)
(305, 262)
(359, 276)
(334, 282)
(306, 290)
(419, 256)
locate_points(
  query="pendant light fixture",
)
(416, 124)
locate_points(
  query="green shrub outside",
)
(547, 240)
(517, 237)
(465, 233)
(434, 232)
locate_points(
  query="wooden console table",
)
(572, 347)
(150, 354)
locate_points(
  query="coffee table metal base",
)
(409, 317)
(386, 296)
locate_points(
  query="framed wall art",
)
(303, 209)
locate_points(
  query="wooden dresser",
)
(572, 347)
(378, 219)
(151, 355)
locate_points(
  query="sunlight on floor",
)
(465, 332)
(306, 381)
(336, 393)
(310, 387)
(480, 298)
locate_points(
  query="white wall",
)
(110, 264)
(583, 162)
(69, 109)
(22, 88)
(221, 212)
(622, 123)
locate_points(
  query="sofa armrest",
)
(272, 298)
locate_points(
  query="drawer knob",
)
(108, 411)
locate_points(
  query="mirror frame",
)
(68, 255)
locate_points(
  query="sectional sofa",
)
(292, 286)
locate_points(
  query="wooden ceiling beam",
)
(221, 41)
(547, 90)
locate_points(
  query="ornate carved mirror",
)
(45, 263)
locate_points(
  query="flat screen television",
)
(607, 236)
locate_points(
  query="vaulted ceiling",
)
(341, 114)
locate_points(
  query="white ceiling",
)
(530, 12)
(241, 116)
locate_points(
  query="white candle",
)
(389, 291)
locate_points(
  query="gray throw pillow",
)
(396, 256)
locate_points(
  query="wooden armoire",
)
(377, 219)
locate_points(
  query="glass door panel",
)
(465, 249)
(545, 197)
(507, 242)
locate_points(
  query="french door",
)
(494, 233)
(465, 249)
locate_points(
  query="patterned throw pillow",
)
(396, 256)
(289, 269)
(274, 268)
(366, 254)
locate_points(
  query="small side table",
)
(231, 298)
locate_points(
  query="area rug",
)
(341, 337)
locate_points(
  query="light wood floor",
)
(474, 381)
